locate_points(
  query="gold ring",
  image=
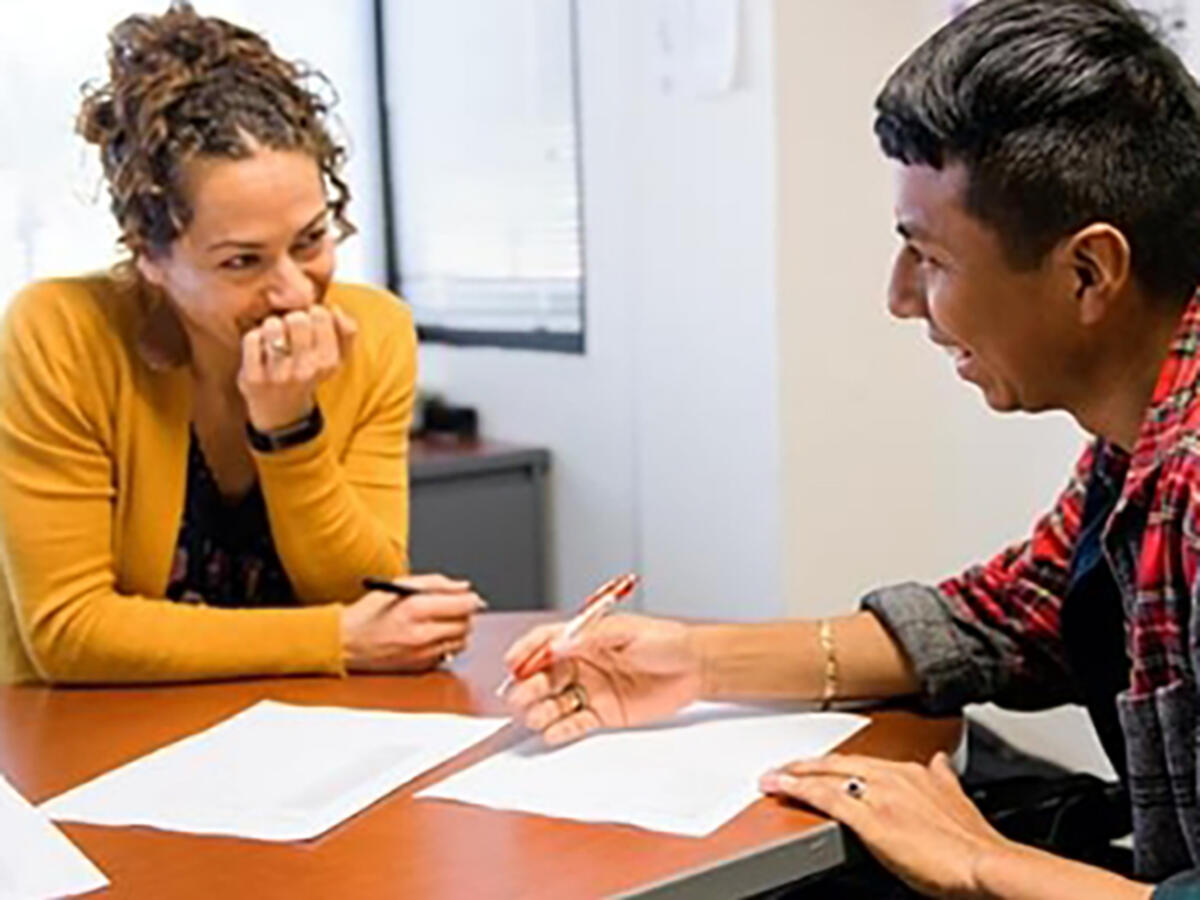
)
(579, 692)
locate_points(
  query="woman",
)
(203, 452)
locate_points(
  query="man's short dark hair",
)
(1063, 113)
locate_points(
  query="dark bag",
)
(1078, 816)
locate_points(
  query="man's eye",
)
(241, 261)
(921, 259)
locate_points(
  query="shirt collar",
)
(1173, 403)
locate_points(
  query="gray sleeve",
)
(958, 659)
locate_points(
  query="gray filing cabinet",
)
(477, 510)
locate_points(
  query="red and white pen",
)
(595, 607)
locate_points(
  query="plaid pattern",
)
(994, 632)
(1152, 542)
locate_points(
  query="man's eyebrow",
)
(254, 245)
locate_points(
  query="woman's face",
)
(259, 243)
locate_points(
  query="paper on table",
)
(273, 772)
(688, 775)
(36, 859)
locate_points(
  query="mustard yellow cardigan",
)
(93, 465)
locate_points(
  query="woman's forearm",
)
(787, 660)
(329, 536)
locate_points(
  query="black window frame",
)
(539, 339)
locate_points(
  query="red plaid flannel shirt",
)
(1152, 541)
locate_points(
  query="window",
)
(481, 168)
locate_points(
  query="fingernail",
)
(480, 605)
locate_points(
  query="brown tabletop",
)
(54, 739)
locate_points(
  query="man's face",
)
(1011, 332)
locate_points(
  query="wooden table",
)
(54, 739)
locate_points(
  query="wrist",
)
(264, 418)
(721, 660)
(987, 864)
(299, 431)
(696, 643)
(348, 631)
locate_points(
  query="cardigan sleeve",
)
(57, 495)
(339, 517)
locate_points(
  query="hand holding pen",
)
(409, 624)
(599, 604)
(615, 671)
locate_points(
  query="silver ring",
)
(447, 658)
(855, 787)
(279, 346)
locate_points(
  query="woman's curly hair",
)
(183, 85)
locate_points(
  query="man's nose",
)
(906, 292)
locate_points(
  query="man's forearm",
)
(1026, 873)
(785, 660)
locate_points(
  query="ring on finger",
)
(279, 346)
(855, 787)
(580, 694)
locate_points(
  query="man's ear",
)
(1101, 263)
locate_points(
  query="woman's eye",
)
(241, 261)
(312, 239)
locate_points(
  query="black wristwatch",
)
(287, 436)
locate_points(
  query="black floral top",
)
(225, 555)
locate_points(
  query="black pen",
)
(390, 587)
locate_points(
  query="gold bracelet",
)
(825, 636)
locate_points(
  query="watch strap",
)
(289, 435)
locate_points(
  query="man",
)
(1048, 197)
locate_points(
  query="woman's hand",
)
(916, 820)
(286, 357)
(382, 632)
(625, 670)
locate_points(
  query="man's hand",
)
(382, 632)
(625, 670)
(286, 357)
(914, 819)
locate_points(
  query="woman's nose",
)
(290, 289)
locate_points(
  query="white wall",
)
(665, 434)
(893, 469)
(338, 40)
(54, 216)
(747, 427)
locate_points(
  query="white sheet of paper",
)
(688, 775)
(36, 859)
(274, 772)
